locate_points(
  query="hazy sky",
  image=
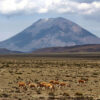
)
(15, 15)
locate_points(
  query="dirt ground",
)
(43, 69)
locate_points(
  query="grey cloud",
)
(45, 6)
(86, 1)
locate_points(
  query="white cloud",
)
(44, 6)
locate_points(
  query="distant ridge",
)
(78, 48)
(51, 32)
(6, 51)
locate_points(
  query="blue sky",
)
(16, 15)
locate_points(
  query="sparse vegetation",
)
(65, 77)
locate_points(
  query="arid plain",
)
(68, 69)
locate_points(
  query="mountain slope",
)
(78, 48)
(50, 32)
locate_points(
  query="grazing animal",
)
(52, 82)
(56, 83)
(62, 84)
(81, 81)
(21, 84)
(46, 85)
(42, 84)
(32, 85)
(49, 86)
